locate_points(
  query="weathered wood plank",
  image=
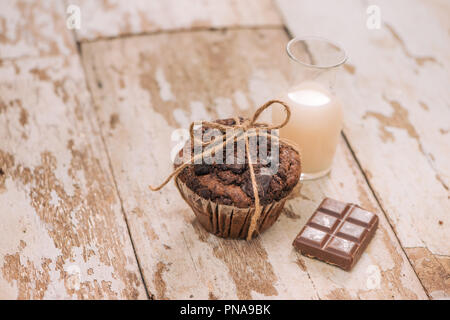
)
(62, 231)
(142, 96)
(397, 115)
(33, 28)
(109, 18)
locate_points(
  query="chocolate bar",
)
(337, 233)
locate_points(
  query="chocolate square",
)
(337, 233)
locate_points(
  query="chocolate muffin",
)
(221, 192)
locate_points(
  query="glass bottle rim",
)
(316, 66)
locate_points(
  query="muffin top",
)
(229, 183)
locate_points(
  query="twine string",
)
(241, 130)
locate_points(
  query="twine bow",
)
(240, 130)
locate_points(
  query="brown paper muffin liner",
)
(229, 221)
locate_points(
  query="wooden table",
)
(86, 118)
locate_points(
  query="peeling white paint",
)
(164, 86)
(198, 111)
(241, 100)
(224, 107)
(181, 117)
(141, 16)
(54, 198)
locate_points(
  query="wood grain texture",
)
(111, 18)
(33, 28)
(397, 115)
(143, 96)
(62, 231)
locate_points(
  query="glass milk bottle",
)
(316, 113)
